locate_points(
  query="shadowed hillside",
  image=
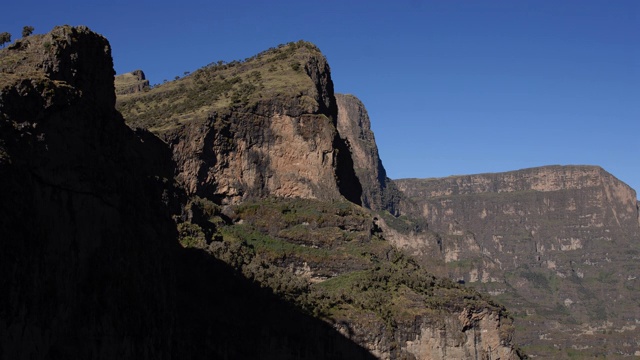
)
(90, 262)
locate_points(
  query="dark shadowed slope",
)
(90, 266)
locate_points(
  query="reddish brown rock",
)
(354, 125)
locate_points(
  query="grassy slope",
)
(330, 259)
(275, 73)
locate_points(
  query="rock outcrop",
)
(354, 126)
(466, 335)
(131, 83)
(254, 129)
(557, 244)
(90, 265)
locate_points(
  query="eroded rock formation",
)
(266, 127)
(354, 125)
(558, 244)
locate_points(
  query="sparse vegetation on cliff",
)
(27, 30)
(217, 86)
(330, 259)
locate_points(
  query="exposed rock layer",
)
(379, 193)
(466, 335)
(266, 127)
(556, 244)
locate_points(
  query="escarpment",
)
(557, 244)
(354, 125)
(263, 127)
(82, 216)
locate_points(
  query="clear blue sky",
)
(451, 86)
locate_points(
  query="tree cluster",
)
(27, 30)
(5, 37)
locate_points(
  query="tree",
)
(27, 30)
(5, 37)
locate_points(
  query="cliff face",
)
(265, 127)
(354, 126)
(555, 244)
(267, 139)
(467, 334)
(90, 263)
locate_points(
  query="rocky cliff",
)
(131, 83)
(266, 126)
(90, 262)
(266, 153)
(90, 265)
(354, 126)
(558, 245)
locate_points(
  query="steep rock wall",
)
(270, 131)
(354, 126)
(79, 205)
(463, 335)
(554, 243)
(275, 141)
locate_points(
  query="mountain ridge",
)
(382, 194)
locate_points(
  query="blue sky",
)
(451, 86)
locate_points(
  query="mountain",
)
(226, 225)
(265, 126)
(90, 262)
(559, 245)
(269, 156)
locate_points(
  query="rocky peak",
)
(71, 55)
(262, 127)
(131, 82)
(354, 126)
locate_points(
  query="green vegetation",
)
(27, 30)
(273, 74)
(328, 258)
(404, 223)
(5, 37)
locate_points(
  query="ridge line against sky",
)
(452, 87)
